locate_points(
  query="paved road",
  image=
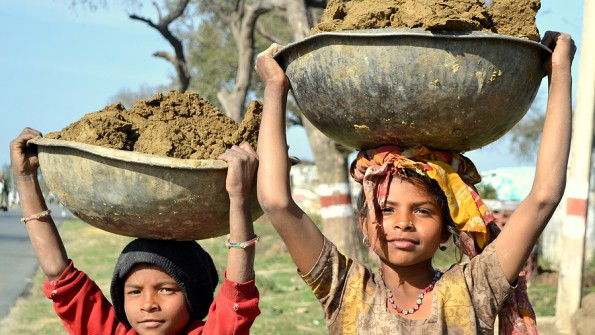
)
(17, 259)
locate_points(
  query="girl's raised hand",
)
(563, 50)
(268, 69)
(23, 158)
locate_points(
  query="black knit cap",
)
(185, 261)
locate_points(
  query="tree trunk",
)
(242, 23)
(338, 217)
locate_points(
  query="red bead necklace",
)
(422, 294)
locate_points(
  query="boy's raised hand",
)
(243, 163)
(43, 233)
(23, 158)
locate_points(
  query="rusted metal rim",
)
(395, 32)
(133, 156)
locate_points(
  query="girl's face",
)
(411, 224)
(153, 302)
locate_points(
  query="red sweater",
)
(84, 310)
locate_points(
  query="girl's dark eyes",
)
(423, 211)
(133, 292)
(387, 210)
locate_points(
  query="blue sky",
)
(59, 64)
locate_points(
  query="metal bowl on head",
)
(454, 91)
(139, 195)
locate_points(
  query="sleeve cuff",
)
(50, 287)
(238, 291)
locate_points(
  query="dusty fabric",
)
(506, 17)
(466, 298)
(179, 125)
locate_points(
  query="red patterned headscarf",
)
(456, 175)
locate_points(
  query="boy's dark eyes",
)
(133, 292)
(167, 290)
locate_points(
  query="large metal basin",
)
(136, 194)
(453, 90)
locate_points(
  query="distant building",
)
(304, 180)
(502, 209)
(512, 186)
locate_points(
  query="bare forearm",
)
(43, 232)
(240, 261)
(301, 236)
(552, 158)
(522, 231)
(272, 145)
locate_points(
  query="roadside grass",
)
(288, 306)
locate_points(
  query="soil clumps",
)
(506, 17)
(179, 125)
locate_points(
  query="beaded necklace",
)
(422, 294)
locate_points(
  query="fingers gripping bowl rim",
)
(448, 90)
(136, 194)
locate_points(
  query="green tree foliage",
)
(486, 191)
(212, 50)
(212, 57)
(525, 136)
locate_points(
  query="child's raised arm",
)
(42, 231)
(522, 231)
(243, 162)
(301, 236)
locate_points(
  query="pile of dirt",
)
(179, 125)
(506, 17)
(583, 320)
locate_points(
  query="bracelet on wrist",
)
(37, 216)
(242, 245)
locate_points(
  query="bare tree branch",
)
(165, 55)
(242, 24)
(179, 61)
(266, 34)
(175, 13)
(218, 11)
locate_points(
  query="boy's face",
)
(153, 302)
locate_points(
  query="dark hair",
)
(185, 261)
(430, 186)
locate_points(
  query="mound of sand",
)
(506, 17)
(179, 125)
